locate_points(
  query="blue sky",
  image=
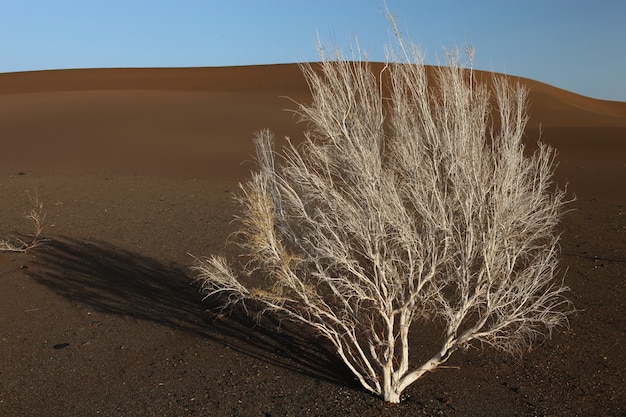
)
(576, 45)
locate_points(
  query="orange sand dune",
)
(200, 121)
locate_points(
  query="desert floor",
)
(136, 169)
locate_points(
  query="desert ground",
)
(136, 169)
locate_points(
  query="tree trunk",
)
(391, 396)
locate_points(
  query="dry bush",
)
(409, 202)
(37, 217)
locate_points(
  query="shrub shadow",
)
(120, 282)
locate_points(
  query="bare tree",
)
(410, 201)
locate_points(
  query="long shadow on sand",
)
(120, 282)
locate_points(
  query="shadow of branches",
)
(117, 281)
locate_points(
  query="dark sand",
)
(136, 168)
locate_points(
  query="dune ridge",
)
(556, 104)
(235, 78)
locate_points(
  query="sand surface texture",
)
(136, 168)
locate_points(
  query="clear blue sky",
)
(572, 44)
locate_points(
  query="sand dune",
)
(179, 121)
(199, 122)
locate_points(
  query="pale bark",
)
(402, 205)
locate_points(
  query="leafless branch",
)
(37, 216)
(406, 202)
